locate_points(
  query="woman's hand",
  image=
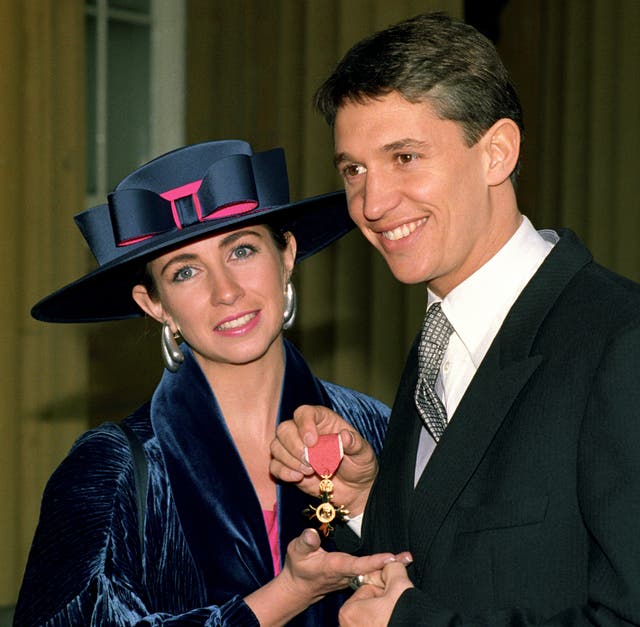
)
(310, 573)
(353, 480)
(310, 568)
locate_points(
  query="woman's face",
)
(224, 294)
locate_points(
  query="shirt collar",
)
(478, 306)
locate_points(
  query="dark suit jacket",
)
(529, 509)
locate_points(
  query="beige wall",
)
(43, 378)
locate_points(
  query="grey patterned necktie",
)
(436, 331)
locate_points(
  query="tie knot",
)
(436, 327)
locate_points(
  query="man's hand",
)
(354, 477)
(372, 605)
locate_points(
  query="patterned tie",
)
(436, 331)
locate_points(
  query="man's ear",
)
(503, 150)
(152, 307)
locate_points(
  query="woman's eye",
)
(243, 251)
(183, 274)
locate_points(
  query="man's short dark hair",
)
(428, 58)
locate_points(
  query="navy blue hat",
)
(185, 194)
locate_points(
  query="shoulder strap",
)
(140, 475)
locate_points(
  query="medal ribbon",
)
(326, 455)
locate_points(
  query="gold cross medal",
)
(324, 458)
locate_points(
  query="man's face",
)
(416, 190)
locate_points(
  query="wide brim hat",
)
(184, 195)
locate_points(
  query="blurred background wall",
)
(91, 89)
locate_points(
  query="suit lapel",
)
(503, 373)
(393, 489)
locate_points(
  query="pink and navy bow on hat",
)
(185, 194)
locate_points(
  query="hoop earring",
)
(290, 306)
(171, 353)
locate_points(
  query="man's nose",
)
(378, 195)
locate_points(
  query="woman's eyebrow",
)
(182, 257)
(236, 235)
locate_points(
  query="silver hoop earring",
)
(171, 353)
(290, 306)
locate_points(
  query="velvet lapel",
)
(217, 505)
(300, 388)
(506, 368)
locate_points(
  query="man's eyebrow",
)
(400, 144)
(405, 142)
(339, 158)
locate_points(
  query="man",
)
(511, 466)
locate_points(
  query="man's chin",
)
(407, 273)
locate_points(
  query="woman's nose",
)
(226, 289)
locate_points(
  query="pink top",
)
(271, 523)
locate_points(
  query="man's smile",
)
(403, 231)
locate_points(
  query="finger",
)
(373, 579)
(284, 473)
(394, 572)
(313, 420)
(357, 451)
(307, 542)
(288, 465)
(367, 591)
(309, 485)
(354, 445)
(289, 438)
(370, 563)
(350, 444)
(396, 581)
(404, 558)
(349, 566)
(306, 418)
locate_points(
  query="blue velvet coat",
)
(205, 542)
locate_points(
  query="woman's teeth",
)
(237, 322)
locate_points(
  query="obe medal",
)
(324, 458)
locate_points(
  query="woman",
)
(204, 240)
